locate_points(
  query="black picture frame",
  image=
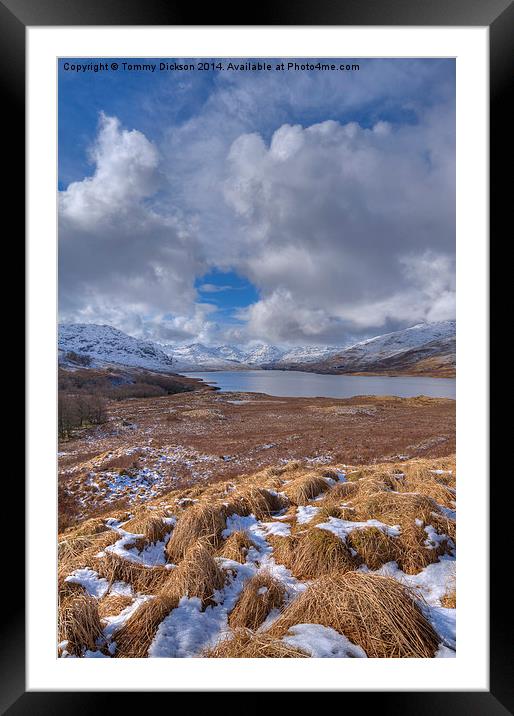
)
(498, 15)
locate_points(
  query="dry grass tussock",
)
(373, 546)
(283, 549)
(326, 511)
(133, 639)
(341, 492)
(154, 527)
(376, 481)
(445, 525)
(146, 580)
(79, 623)
(65, 589)
(394, 507)
(113, 604)
(303, 489)
(198, 575)
(79, 552)
(93, 526)
(236, 547)
(413, 553)
(420, 478)
(313, 552)
(319, 551)
(377, 613)
(246, 644)
(374, 612)
(206, 520)
(260, 595)
(258, 501)
(284, 470)
(202, 521)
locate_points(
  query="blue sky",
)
(231, 206)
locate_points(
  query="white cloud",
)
(334, 223)
(126, 166)
(122, 250)
(342, 229)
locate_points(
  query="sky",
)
(225, 206)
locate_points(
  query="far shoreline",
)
(283, 384)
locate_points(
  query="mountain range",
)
(427, 348)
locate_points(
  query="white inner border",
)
(469, 670)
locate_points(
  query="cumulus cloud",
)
(343, 228)
(121, 250)
(126, 171)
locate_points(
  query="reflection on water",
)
(296, 384)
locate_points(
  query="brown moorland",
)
(146, 447)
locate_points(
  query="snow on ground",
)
(433, 582)
(444, 622)
(306, 514)
(113, 623)
(189, 629)
(342, 528)
(94, 585)
(157, 469)
(322, 642)
(151, 556)
(257, 530)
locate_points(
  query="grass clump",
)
(198, 575)
(304, 488)
(445, 525)
(79, 623)
(376, 613)
(154, 528)
(373, 546)
(79, 552)
(146, 580)
(202, 521)
(340, 493)
(313, 552)
(319, 551)
(112, 604)
(413, 553)
(134, 638)
(260, 595)
(395, 508)
(236, 547)
(283, 548)
(260, 502)
(246, 644)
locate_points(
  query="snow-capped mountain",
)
(426, 347)
(307, 354)
(196, 356)
(262, 354)
(97, 345)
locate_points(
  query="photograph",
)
(256, 426)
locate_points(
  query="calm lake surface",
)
(296, 384)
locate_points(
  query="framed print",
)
(257, 357)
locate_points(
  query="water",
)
(297, 384)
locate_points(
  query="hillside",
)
(425, 349)
(100, 345)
